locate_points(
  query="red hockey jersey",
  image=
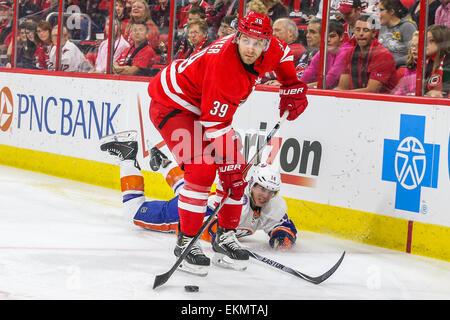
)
(214, 82)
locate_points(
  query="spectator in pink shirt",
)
(407, 84)
(335, 58)
(120, 44)
(443, 13)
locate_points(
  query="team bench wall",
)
(370, 168)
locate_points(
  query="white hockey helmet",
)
(266, 176)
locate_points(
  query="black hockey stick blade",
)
(315, 280)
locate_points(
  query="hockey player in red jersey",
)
(197, 98)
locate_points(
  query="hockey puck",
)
(191, 288)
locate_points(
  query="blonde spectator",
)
(140, 12)
(407, 84)
(257, 6)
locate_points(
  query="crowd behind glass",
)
(372, 45)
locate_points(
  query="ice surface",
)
(62, 239)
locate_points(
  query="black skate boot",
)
(228, 251)
(157, 158)
(122, 145)
(195, 262)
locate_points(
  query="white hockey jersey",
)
(72, 59)
(268, 218)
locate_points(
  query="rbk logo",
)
(410, 163)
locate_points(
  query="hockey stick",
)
(315, 280)
(162, 278)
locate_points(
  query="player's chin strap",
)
(162, 278)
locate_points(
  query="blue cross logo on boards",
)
(410, 162)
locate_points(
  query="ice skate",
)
(228, 251)
(122, 145)
(196, 262)
(157, 158)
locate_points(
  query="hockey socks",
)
(132, 186)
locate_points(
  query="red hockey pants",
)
(183, 135)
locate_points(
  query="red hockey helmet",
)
(256, 25)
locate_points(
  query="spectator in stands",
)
(182, 15)
(30, 45)
(31, 31)
(120, 45)
(161, 14)
(257, 6)
(369, 67)
(226, 26)
(221, 9)
(44, 45)
(336, 56)
(182, 39)
(286, 30)
(72, 59)
(351, 11)
(313, 33)
(25, 48)
(140, 12)
(442, 15)
(197, 39)
(276, 9)
(121, 12)
(407, 84)
(26, 8)
(309, 9)
(396, 29)
(6, 24)
(195, 14)
(26, 57)
(437, 71)
(432, 7)
(139, 56)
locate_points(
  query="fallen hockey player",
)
(263, 208)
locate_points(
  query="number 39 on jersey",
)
(219, 109)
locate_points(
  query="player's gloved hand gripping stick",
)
(162, 278)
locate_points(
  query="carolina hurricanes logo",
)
(434, 80)
(6, 109)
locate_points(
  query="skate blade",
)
(123, 136)
(197, 270)
(224, 261)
